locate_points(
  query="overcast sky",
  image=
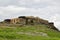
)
(46, 9)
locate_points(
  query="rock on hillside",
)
(29, 20)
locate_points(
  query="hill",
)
(28, 32)
(28, 28)
(28, 20)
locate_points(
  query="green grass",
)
(14, 33)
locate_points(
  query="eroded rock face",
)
(31, 20)
(51, 25)
(26, 20)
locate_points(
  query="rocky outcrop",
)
(7, 20)
(51, 25)
(29, 20)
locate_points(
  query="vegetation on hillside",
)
(28, 32)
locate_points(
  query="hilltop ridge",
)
(28, 28)
(28, 20)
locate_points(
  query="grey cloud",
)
(30, 3)
(27, 3)
(7, 2)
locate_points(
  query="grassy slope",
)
(20, 33)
